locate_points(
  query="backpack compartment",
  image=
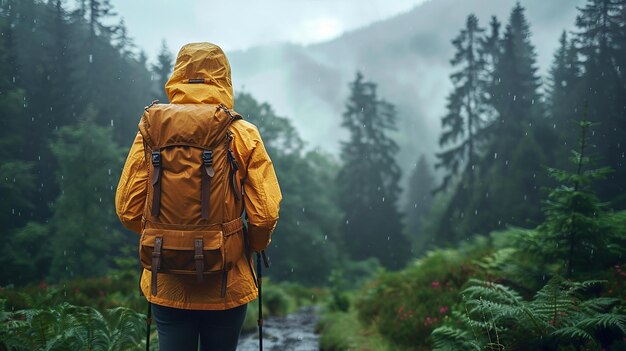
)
(180, 252)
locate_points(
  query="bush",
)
(406, 306)
(276, 300)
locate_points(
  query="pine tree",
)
(599, 25)
(61, 58)
(466, 106)
(163, 69)
(419, 201)
(563, 89)
(16, 173)
(99, 10)
(123, 43)
(518, 139)
(575, 231)
(368, 181)
(491, 50)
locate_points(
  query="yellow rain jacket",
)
(262, 194)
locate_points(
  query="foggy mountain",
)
(407, 55)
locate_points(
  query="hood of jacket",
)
(201, 76)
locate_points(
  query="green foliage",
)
(576, 232)
(368, 186)
(163, 69)
(68, 327)
(467, 105)
(406, 306)
(419, 205)
(27, 254)
(342, 331)
(599, 36)
(561, 315)
(83, 238)
(304, 247)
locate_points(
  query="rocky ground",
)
(295, 331)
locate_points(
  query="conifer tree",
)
(562, 92)
(419, 200)
(491, 50)
(162, 70)
(599, 29)
(517, 138)
(368, 181)
(16, 173)
(576, 232)
(463, 123)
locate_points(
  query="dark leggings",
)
(179, 329)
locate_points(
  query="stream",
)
(295, 331)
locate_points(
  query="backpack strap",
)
(156, 263)
(199, 258)
(156, 182)
(234, 167)
(207, 173)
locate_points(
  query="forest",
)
(519, 246)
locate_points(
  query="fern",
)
(452, 339)
(558, 315)
(68, 327)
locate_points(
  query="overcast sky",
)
(241, 24)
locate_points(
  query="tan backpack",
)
(192, 217)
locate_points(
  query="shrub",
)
(406, 306)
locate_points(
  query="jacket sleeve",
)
(262, 197)
(131, 190)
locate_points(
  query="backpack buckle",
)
(156, 158)
(207, 157)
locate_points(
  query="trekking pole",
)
(260, 320)
(266, 263)
(148, 322)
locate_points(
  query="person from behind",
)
(194, 169)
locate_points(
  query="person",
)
(184, 309)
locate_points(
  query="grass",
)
(342, 331)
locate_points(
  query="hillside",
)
(408, 55)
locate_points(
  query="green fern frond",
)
(452, 339)
(604, 321)
(572, 333)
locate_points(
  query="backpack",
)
(187, 225)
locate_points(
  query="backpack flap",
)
(180, 251)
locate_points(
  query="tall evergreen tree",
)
(576, 231)
(162, 70)
(463, 123)
(563, 90)
(419, 201)
(491, 51)
(517, 138)
(368, 181)
(599, 29)
(16, 173)
(123, 43)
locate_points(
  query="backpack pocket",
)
(182, 252)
